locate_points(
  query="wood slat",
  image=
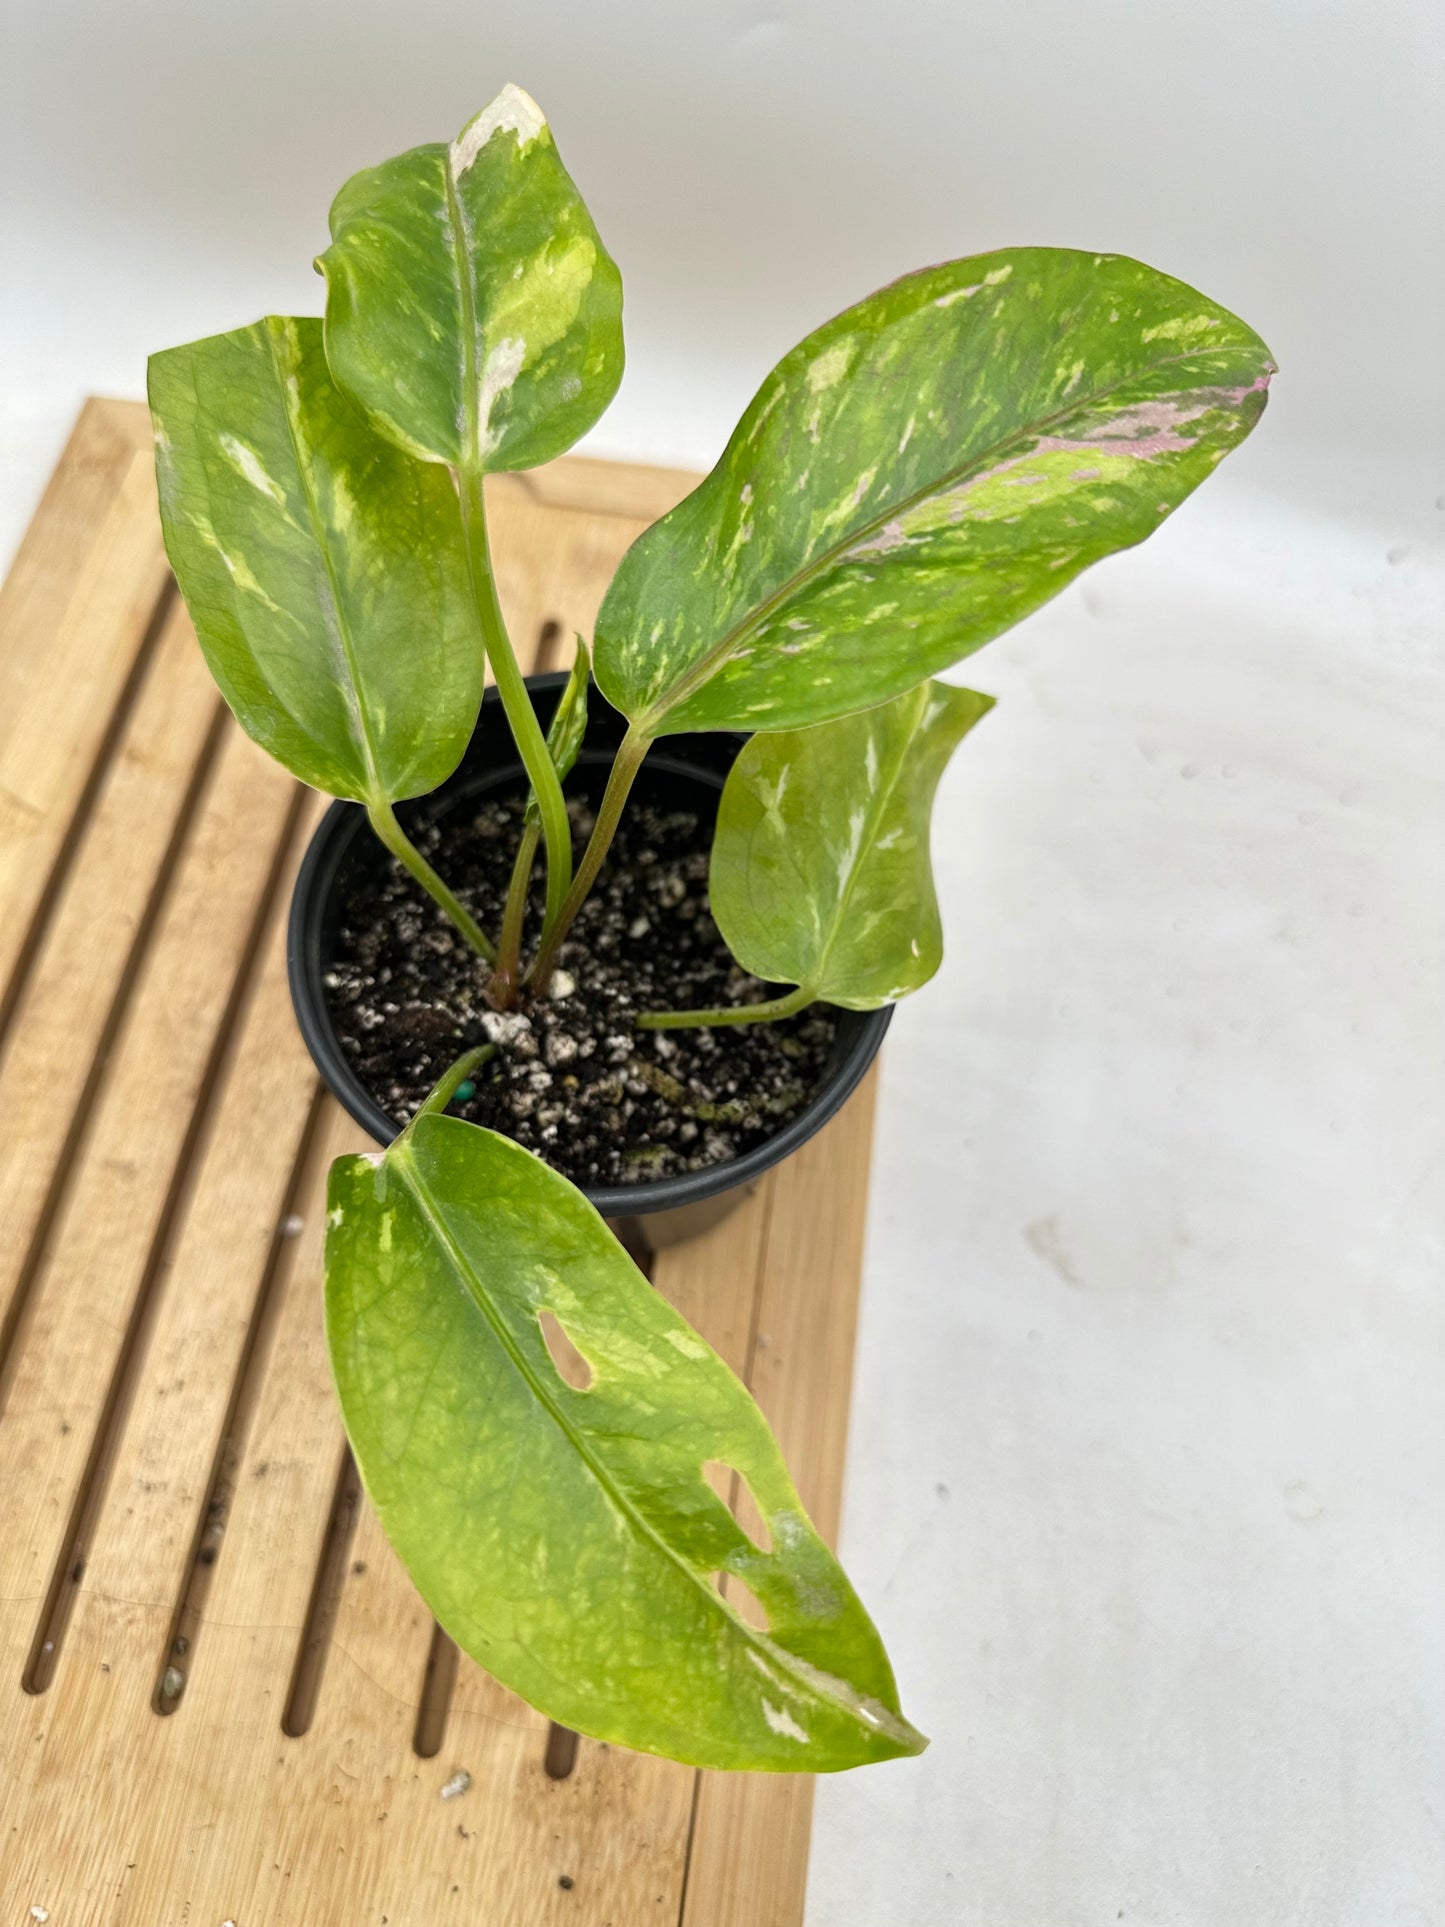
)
(41, 580)
(78, 609)
(631, 490)
(228, 1725)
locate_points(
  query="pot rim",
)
(860, 1032)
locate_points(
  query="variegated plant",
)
(919, 474)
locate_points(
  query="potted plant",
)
(652, 1008)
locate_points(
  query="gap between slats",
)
(314, 1648)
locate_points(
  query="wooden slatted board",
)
(220, 1699)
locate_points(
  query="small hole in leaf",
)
(733, 1489)
(743, 1600)
(572, 1367)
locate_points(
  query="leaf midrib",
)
(707, 665)
(866, 843)
(407, 1170)
(469, 426)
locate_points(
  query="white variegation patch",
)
(499, 371)
(248, 463)
(513, 111)
(1179, 328)
(830, 367)
(848, 859)
(771, 795)
(783, 1723)
(891, 536)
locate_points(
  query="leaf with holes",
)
(325, 570)
(820, 865)
(916, 476)
(567, 728)
(569, 1539)
(471, 307)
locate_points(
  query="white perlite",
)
(457, 1784)
(505, 1026)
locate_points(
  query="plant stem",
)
(512, 688)
(509, 947)
(767, 1013)
(383, 821)
(442, 1095)
(624, 769)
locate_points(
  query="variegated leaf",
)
(566, 1534)
(325, 570)
(471, 308)
(820, 865)
(915, 477)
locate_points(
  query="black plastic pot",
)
(680, 770)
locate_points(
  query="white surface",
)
(1149, 1429)
(1146, 1461)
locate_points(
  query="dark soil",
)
(573, 1080)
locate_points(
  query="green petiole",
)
(383, 820)
(766, 1013)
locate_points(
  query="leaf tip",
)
(901, 1739)
(513, 111)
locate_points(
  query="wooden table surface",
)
(220, 1699)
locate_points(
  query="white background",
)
(1149, 1443)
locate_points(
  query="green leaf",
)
(471, 308)
(567, 1538)
(820, 869)
(567, 728)
(325, 571)
(915, 477)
